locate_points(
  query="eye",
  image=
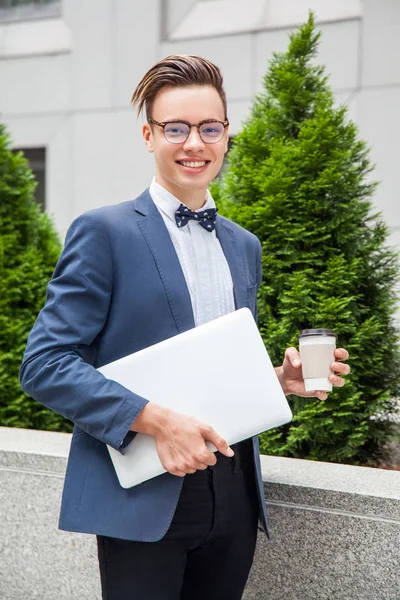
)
(176, 128)
(212, 130)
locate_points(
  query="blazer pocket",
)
(251, 297)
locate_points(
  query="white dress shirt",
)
(201, 257)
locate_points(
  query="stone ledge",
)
(34, 451)
(32, 441)
(356, 491)
(331, 476)
(335, 529)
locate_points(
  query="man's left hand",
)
(291, 376)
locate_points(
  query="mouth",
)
(193, 166)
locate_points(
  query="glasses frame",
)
(190, 125)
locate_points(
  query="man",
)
(130, 276)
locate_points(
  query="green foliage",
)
(299, 178)
(29, 249)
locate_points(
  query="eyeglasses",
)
(178, 132)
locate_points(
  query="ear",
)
(148, 137)
(226, 139)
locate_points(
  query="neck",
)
(193, 199)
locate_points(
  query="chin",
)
(202, 180)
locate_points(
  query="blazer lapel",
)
(231, 249)
(159, 242)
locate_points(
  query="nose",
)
(194, 143)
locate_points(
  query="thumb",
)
(219, 442)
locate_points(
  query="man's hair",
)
(177, 71)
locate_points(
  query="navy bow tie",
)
(206, 218)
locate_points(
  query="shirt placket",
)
(203, 283)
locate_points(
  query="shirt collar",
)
(169, 204)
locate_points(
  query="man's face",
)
(192, 104)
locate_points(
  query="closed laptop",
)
(219, 372)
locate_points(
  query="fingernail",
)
(296, 362)
(230, 452)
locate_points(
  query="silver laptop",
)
(219, 372)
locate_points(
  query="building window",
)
(21, 10)
(37, 161)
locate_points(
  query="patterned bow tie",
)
(205, 218)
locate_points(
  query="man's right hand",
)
(180, 439)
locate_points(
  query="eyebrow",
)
(180, 119)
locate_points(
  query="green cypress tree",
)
(299, 178)
(29, 249)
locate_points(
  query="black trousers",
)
(206, 553)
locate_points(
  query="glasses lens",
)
(211, 132)
(176, 132)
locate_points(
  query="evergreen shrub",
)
(29, 249)
(299, 177)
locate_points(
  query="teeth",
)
(193, 164)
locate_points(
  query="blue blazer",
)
(118, 287)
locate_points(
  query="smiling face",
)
(187, 168)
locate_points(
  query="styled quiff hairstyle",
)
(177, 71)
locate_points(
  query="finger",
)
(206, 457)
(341, 354)
(212, 461)
(321, 395)
(341, 368)
(177, 473)
(336, 380)
(219, 442)
(175, 468)
(195, 465)
(201, 467)
(293, 356)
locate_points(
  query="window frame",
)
(28, 11)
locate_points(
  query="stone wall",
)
(335, 529)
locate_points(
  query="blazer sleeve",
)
(259, 265)
(259, 272)
(57, 366)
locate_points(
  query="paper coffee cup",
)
(317, 348)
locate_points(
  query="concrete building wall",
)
(74, 101)
(66, 82)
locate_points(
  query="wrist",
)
(151, 420)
